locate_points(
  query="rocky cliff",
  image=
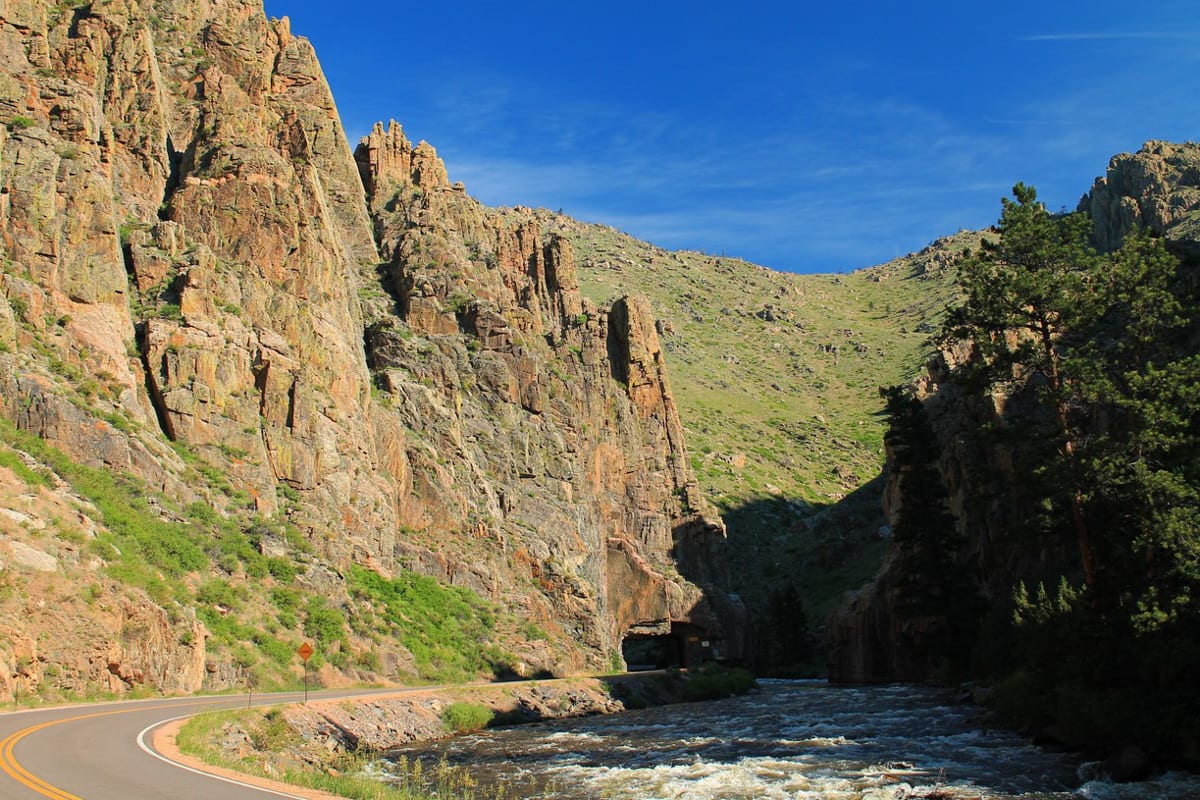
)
(1157, 188)
(958, 498)
(198, 296)
(879, 633)
(569, 449)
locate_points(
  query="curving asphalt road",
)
(99, 752)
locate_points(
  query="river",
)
(790, 739)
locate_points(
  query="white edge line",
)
(141, 740)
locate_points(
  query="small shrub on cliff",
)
(323, 623)
(458, 302)
(280, 652)
(285, 598)
(368, 660)
(282, 569)
(19, 306)
(467, 717)
(217, 592)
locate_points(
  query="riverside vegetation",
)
(342, 777)
(332, 745)
(1065, 423)
(1097, 353)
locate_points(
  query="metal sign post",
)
(305, 652)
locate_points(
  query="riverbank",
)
(789, 739)
(319, 744)
(380, 723)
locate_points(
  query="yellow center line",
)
(10, 765)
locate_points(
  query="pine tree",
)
(928, 541)
(1024, 294)
(1107, 344)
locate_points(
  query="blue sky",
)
(809, 139)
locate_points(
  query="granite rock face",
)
(880, 633)
(1157, 188)
(569, 451)
(410, 378)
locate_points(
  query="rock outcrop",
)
(569, 455)
(903, 625)
(194, 285)
(1157, 188)
(62, 621)
(875, 635)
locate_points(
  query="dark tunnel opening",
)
(685, 646)
(651, 652)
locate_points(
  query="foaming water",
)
(789, 740)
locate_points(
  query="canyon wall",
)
(883, 632)
(196, 282)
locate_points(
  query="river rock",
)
(1129, 763)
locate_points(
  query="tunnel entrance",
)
(651, 652)
(685, 646)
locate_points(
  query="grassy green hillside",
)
(777, 378)
(102, 543)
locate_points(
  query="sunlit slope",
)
(777, 375)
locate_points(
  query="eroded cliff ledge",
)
(193, 280)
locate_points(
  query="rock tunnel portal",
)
(685, 646)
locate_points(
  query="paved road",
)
(92, 752)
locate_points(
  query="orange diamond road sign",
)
(305, 651)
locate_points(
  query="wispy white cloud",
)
(839, 180)
(799, 200)
(1103, 35)
(839, 140)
